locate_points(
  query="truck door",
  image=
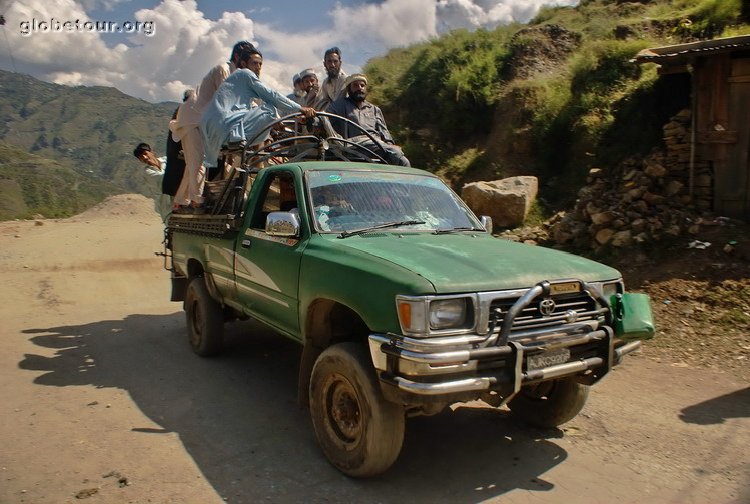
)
(267, 267)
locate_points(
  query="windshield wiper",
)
(455, 229)
(345, 234)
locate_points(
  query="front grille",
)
(568, 309)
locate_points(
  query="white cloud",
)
(369, 29)
(362, 32)
(186, 44)
(39, 39)
(291, 52)
(473, 14)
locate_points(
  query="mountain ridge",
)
(87, 131)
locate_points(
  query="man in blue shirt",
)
(242, 107)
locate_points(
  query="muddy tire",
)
(205, 319)
(359, 432)
(549, 404)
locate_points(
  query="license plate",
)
(547, 359)
(564, 288)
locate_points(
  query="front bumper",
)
(457, 370)
(502, 361)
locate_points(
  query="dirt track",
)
(103, 400)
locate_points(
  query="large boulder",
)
(507, 201)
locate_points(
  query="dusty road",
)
(103, 402)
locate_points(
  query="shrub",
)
(710, 17)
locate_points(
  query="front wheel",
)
(358, 430)
(551, 403)
(205, 319)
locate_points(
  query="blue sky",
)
(178, 41)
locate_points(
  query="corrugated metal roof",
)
(682, 52)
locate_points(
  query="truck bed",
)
(204, 225)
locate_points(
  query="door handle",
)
(245, 243)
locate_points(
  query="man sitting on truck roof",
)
(233, 115)
(334, 84)
(298, 94)
(309, 86)
(369, 117)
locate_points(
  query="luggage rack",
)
(206, 225)
(290, 139)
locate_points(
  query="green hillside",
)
(31, 185)
(552, 98)
(88, 130)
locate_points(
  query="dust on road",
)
(104, 402)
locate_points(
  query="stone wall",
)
(677, 144)
(642, 200)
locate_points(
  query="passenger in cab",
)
(354, 106)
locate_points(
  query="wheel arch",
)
(326, 323)
(195, 269)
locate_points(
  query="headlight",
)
(419, 316)
(447, 313)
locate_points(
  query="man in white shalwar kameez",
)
(185, 127)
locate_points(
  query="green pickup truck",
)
(403, 301)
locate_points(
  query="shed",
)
(720, 102)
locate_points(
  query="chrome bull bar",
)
(542, 288)
(513, 374)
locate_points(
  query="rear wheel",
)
(550, 403)
(358, 430)
(205, 319)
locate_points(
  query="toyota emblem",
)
(546, 307)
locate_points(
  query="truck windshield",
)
(345, 201)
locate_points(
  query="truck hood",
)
(465, 262)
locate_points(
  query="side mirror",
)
(284, 224)
(486, 221)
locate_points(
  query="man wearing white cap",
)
(309, 86)
(299, 94)
(369, 117)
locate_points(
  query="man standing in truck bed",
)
(184, 128)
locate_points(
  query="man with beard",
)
(369, 117)
(333, 85)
